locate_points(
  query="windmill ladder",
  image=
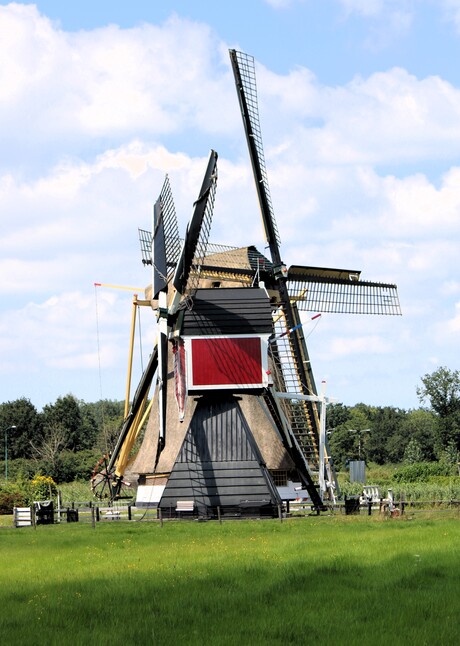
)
(301, 415)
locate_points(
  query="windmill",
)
(237, 417)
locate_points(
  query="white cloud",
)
(363, 7)
(282, 4)
(108, 103)
(368, 345)
(80, 220)
(337, 134)
(452, 11)
(453, 325)
(107, 82)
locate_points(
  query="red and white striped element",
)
(296, 327)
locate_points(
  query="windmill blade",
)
(191, 256)
(288, 354)
(161, 250)
(291, 444)
(196, 237)
(162, 381)
(340, 291)
(113, 472)
(245, 80)
(297, 272)
(166, 243)
(139, 396)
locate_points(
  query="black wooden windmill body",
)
(236, 416)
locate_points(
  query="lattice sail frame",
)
(171, 231)
(247, 71)
(202, 244)
(328, 295)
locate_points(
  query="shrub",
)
(421, 471)
(43, 487)
(11, 496)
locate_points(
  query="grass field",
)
(335, 580)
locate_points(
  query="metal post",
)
(322, 441)
(6, 451)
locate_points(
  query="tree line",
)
(393, 435)
(66, 438)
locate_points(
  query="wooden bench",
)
(186, 506)
(109, 513)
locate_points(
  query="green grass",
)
(336, 580)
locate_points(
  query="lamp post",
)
(6, 450)
(364, 430)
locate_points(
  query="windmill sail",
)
(329, 290)
(162, 247)
(197, 235)
(245, 79)
(187, 268)
(288, 352)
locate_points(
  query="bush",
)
(43, 487)
(70, 466)
(421, 471)
(11, 496)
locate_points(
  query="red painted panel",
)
(226, 361)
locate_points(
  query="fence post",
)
(218, 515)
(160, 516)
(93, 518)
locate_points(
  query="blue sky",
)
(360, 111)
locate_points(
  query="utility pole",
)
(6, 450)
(364, 430)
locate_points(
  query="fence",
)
(92, 513)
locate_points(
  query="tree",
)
(441, 389)
(89, 427)
(337, 415)
(421, 425)
(65, 414)
(25, 417)
(345, 445)
(385, 434)
(107, 418)
(413, 452)
(51, 446)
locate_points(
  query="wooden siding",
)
(219, 464)
(240, 310)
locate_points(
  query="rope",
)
(99, 366)
(98, 341)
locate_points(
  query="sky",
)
(360, 113)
